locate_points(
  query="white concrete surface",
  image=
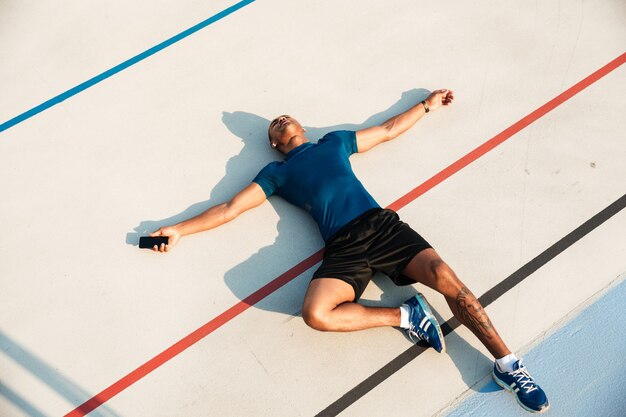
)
(81, 306)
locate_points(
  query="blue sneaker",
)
(519, 382)
(423, 324)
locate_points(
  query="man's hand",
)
(439, 97)
(171, 233)
(249, 197)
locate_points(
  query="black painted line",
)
(487, 298)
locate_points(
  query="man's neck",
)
(294, 142)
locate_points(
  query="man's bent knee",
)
(440, 270)
(315, 317)
(322, 297)
(443, 277)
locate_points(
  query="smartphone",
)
(148, 242)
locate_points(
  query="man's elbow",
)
(230, 212)
(391, 131)
(392, 135)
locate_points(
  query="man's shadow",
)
(251, 129)
(472, 364)
(293, 225)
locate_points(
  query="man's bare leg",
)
(429, 269)
(328, 303)
(328, 306)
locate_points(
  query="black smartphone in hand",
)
(148, 242)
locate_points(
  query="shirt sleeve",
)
(267, 179)
(347, 138)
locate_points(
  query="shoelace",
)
(412, 330)
(524, 379)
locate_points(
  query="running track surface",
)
(301, 267)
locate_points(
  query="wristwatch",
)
(426, 109)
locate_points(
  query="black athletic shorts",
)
(377, 240)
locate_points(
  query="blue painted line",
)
(132, 61)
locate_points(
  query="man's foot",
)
(423, 324)
(519, 382)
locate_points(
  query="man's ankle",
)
(505, 363)
(404, 316)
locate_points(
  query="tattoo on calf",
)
(472, 313)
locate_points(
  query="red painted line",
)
(294, 272)
(195, 336)
(506, 133)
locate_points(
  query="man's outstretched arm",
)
(251, 196)
(366, 139)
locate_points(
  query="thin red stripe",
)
(301, 267)
(506, 133)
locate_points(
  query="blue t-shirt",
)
(319, 179)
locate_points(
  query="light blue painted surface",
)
(582, 367)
